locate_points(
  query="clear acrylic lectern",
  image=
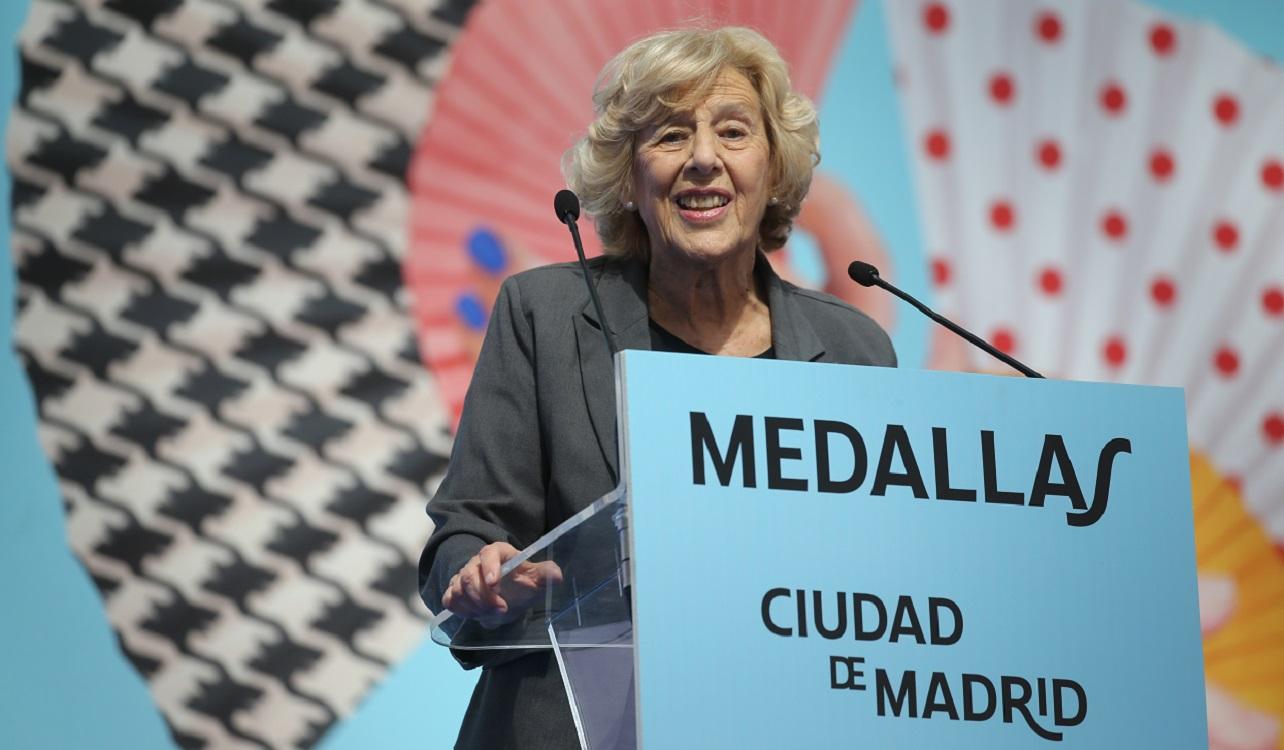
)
(585, 618)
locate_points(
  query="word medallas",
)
(897, 464)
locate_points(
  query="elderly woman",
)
(695, 165)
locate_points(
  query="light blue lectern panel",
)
(1103, 613)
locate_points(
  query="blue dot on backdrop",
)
(487, 251)
(471, 311)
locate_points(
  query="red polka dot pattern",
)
(1163, 291)
(1001, 88)
(1049, 154)
(1003, 340)
(936, 17)
(1113, 98)
(1114, 225)
(1163, 40)
(1226, 235)
(937, 144)
(1226, 360)
(1047, 26)
(1273, 175)
(1273, 301)
(1226, 109)
(1050, 281)
(1122, 223)
(1002, 215)
(1273, 428)
(941, 272)
(1161, 164)
(1114, 351)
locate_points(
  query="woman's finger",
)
(470, 575)
(456, 600)
(535, 576)
(492, 558)
(448, 598)
(483, 596)
(491, 562)
(547, 573)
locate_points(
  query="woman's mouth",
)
(699, 207)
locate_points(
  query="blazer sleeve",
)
(886, 352)
(494, 487)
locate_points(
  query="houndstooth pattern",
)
(209, 219)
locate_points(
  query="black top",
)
(663, 341)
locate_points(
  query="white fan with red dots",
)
(1101, 189)
(1101, 193)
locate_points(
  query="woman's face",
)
(701, 176)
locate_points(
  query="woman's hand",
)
(476, 591)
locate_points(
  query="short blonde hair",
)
(650, 79)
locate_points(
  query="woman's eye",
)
(672, 136)
(735, 133)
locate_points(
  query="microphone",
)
(567, 206)
(866, 274)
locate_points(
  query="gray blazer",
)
(536, 444)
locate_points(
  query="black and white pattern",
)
(209, 215)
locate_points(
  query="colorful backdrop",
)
(251, 248)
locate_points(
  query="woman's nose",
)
(704, 152)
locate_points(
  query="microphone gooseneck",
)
(866, 274)
(567, 206)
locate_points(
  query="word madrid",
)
(914, 694)
(974, 697)
(1055, 476)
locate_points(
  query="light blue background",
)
(64, 681)
(1112, 606)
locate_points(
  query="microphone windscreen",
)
(566, 203)
(863, 273)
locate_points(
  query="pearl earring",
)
(773, 201)
(630, 206)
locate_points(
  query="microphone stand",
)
(866, 274)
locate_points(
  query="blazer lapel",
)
(622, 289)
(792, 335)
